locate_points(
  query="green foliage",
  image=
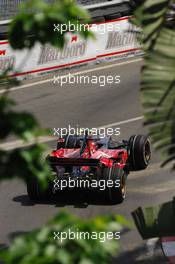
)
(158, 98)
(8, 82)
(158, 75)
(151, 16)
(22, 163)
(156, 221)
(38, 25)
(40, 247)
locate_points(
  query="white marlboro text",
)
(50, 54)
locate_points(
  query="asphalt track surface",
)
(89, 106)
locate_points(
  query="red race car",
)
(97, 165)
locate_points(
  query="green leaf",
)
(38, 26)
(40, 248)
(158, 74)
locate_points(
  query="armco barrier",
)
(113, 38)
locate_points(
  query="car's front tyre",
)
(139, 152)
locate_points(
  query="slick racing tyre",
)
(35, 193)
(115, 194)
(139, 152)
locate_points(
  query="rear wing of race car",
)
(54, 161)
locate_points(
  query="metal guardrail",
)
(9, 8)
(99, 12)
(105, 4)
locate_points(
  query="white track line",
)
(20, 143)
(67, 75)
(123, 122)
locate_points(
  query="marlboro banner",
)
(112, 39)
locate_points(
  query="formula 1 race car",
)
(99, 165)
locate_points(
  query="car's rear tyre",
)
(139, 152)
(115, 194)
(35, 193)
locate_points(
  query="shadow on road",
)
(25, 201)
(80, 200)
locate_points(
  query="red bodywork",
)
(91, 154)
